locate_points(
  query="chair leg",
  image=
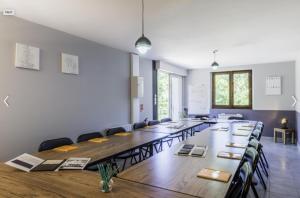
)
(261, 179)
(124, 163)
(263, 154)
(170, 144)
(114, 165)
(254, 190)
(264, 170)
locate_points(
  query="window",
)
(169, 95)
(163, 93)
(232, 89)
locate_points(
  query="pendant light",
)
(215, 65)
(143, 44)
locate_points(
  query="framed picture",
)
(273, 85)
(27, 57)
(69, 64)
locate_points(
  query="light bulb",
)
(143, 45)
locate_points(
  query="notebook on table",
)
(230, 155)
(185, 149)
(27, 162)
(65, 148)
(199, 151)
(98, 140)
(122, 134)
(241, 133)
(75, 163)
(236, 145)
(49, 165)
(212, 174)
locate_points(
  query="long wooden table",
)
(102, 151)
(179, 173)
(15, 183)
(164, 175)
(168, 127)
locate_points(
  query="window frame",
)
(231, 90)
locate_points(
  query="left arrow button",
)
(6, 101)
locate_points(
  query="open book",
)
(212, 174)
(27, 162)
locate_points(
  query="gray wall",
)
(146, 72)
(297, 78)
(269, 109)
(48, 104)
(259, 73)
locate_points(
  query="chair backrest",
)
(235, 118)
(88, 136)
(54, 143)
(113, 131)
(256, 133)
(153, 122)
(203, 116)
(241, 185)
(139, 125)
(166, 120)
(255, 144)
(251, 155)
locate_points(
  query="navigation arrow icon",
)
(6, 101)
(295, 101)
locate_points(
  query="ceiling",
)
(183, 32)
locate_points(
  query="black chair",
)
(258, 146)
(139, 125)
(252, 156)
(157, 145)
(88, 136)
(202, 117)
(241, 184)
(54, 143)
(153, 122)
(115, 130)
(166, 120)
(257, 133)
(235, 118)
(131, 154)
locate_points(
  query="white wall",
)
(146, 72)
(259, 72)
(297, 84)
(48, 104)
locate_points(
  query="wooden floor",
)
(284, 179)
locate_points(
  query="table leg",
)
(275, 139)
(293, 138)
(283, 134)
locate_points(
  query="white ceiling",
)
(183, 32)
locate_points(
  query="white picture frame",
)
(273, 85)
(69, 64)
(27, 57)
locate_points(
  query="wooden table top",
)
(15, 183)
(100, 151)
(166, 127)
(179, 173)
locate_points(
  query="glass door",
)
(176, 97)
(163, 95)
(169, 95)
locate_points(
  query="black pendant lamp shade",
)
(215, 65)
(143, 44)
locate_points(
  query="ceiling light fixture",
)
(215, 65)
(143, 44)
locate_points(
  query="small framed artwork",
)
(273, 85)
(69, 64)
(27, 57)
